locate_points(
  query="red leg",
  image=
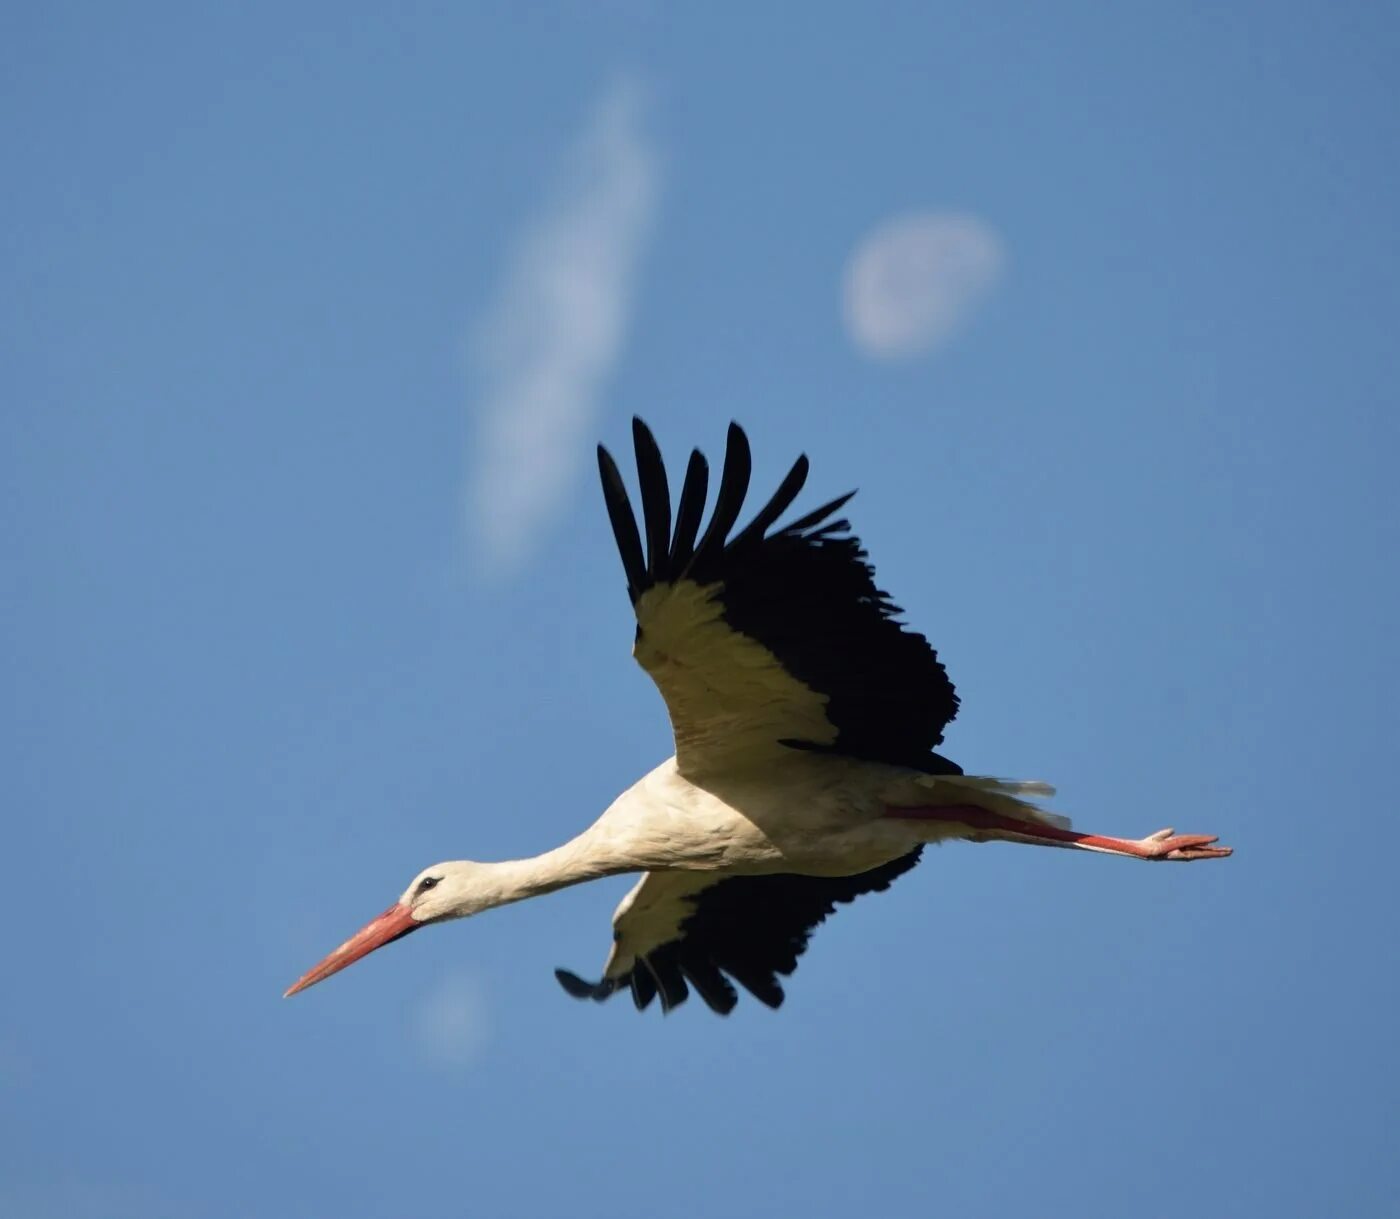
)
(1164, 844)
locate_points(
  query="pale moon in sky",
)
(912, 281)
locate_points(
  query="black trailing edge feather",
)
(751, 929)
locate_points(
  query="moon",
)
(913, 281)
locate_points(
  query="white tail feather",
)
(1006, 795)
(1011, 787)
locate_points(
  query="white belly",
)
(821, 816)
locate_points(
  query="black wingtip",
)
(691, 510)
(579, 988)
(656, 499)
(817, 515)
(643, 987)
(733, 486)
(782, 498)
(710, 984)
(573, 984)
(624, 523)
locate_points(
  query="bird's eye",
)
(427, 883)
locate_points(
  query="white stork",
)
(805, 719)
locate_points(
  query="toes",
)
(1187, 853)
(1182, 841)
(1164, 844)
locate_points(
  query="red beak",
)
(395, 923)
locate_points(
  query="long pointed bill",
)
(395, 923)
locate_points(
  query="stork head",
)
(444, 891)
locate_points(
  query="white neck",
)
(513, 880)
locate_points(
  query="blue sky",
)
(293, 291)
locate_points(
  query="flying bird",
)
(806, 719)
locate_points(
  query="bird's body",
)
(817, 814)
(805, 718)
(819, 817)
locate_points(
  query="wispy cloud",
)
(543, 351)
(912, 282)
(450, 1024)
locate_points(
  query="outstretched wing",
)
(768, 639)
(678, 930)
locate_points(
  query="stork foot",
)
(1168, 844)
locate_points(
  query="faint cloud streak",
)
(913, 281)
(545, 346)
(450, 1025)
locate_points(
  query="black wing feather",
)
(751, 928)
(624, 524)
(787, 491)
(666, 969)
(656, 499)
(807, 593)
(711, 985)
(819, 515)
(733, 487)
(643, 988)
(691, 511)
